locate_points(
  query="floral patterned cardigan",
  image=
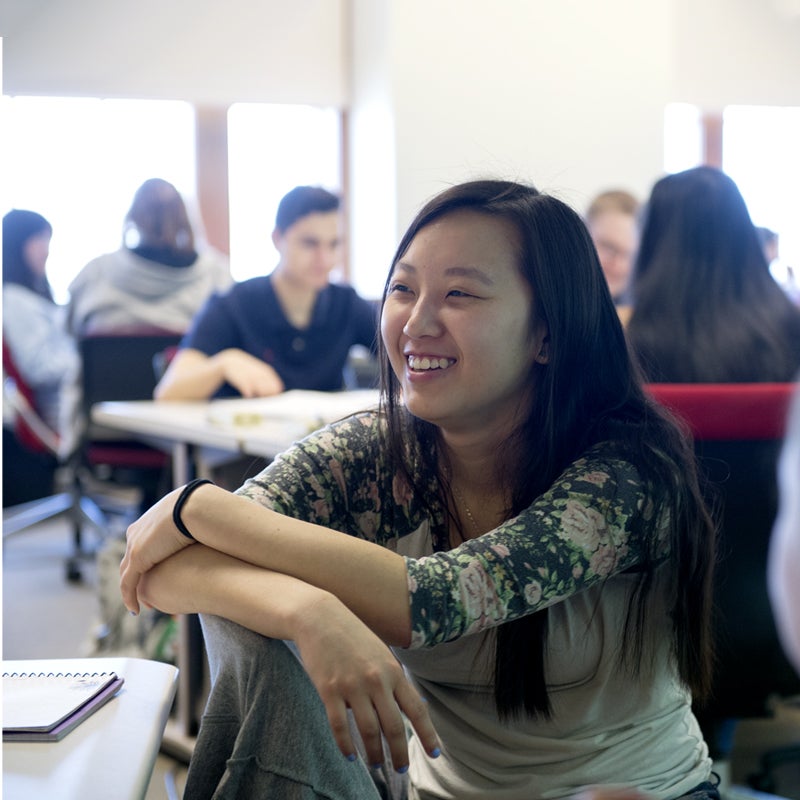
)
(590, 524)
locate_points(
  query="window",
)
(760, 153)
(78, 161)
(683, 137)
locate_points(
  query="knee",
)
(238, 654)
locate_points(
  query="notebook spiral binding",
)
(54, 674)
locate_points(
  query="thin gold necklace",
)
(463, 502)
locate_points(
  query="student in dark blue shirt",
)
(292, 329)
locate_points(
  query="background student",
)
(613, 222)
(43, 352)
(291, 329)
(519, 525)
(705, 306)
(158, 278)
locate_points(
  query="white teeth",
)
(415, 362)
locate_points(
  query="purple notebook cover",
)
(66, 725)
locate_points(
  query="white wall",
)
(373, 161)
(568, 94)
(205, 51)
(730, 52)
(528, 93)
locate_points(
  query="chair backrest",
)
(738, 431)
(30, 429)
(729, 411)
(119, 365)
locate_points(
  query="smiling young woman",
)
(511, 554)
(458, 296)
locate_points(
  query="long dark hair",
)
(705, 306)
(590, 391)
(19, 226)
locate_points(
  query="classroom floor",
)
(44, 616)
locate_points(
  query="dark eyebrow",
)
(464, 272)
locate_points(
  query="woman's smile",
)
(418, 363)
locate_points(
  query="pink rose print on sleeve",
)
(603, 560)
(583, 526)
(533, 593)
(479, 597)
(597, 478)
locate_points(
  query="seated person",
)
(42, 351)
(612, 219)
(291, 329)
(706, 308)
(158, 278)
(519, 527)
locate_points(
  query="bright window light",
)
(272, 149)
(760, 152)
(78, 162)
(683, 137)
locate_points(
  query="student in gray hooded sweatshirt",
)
(157, 278)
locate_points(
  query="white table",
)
(259, 427)
(111, 753)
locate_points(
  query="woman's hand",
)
(352, 668)
(151, 539)
(349, 665)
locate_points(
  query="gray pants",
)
(264, 732)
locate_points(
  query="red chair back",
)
(728, 411)
(24, 432)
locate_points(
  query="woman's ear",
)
(543, 356)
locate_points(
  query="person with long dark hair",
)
(706, 308)
(43, 352)
(502, 574)
(33, 324)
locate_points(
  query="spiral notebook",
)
(45, 707)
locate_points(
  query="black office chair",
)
(115, 366)
(119, 365)
(738, 431)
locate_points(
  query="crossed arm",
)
(289, 579)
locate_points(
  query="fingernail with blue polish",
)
(351, 757)
(436, 752)
(402, 770)
(377, 766)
